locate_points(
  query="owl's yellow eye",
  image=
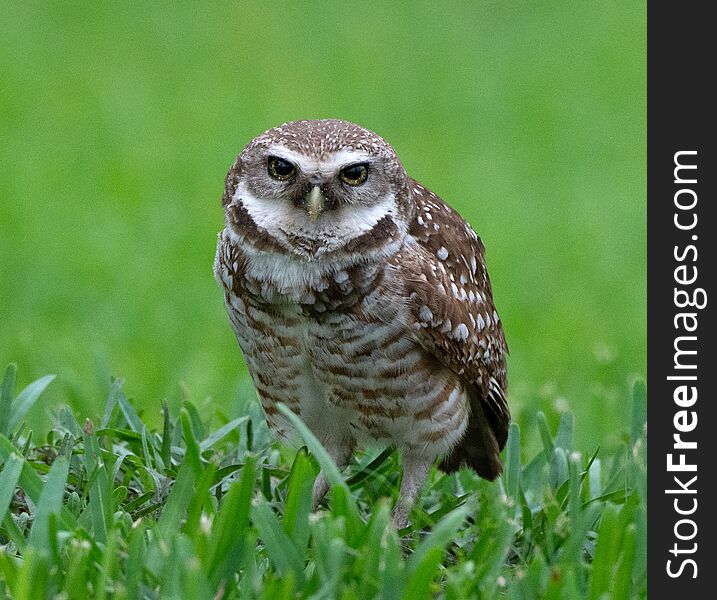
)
(354, 174)
(280, 169)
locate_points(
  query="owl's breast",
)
(342, 353)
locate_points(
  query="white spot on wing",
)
(425, 314)
(442, 253)
(461, 332)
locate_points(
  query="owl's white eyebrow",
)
(329, 162)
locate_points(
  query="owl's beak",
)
(315, 203)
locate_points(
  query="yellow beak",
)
(315, 203)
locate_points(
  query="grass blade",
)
(9, 568)
(298, 501)
(444, 531)
(545, 435)
(166, 449)
(134, 563)
(280, 549)
(115, 391)
(370, 468)
(32, 579)
(558, 468)
(221, 433)
(128, 412)
(605, 553)
(231, 525)
(30, 481)
(50, 502)
(76, 583)
(26, 399)
(419, 581)
(99, 485)
(200, 499)
(378, 526)
(177, 503)
(623, 572)
(564, 437)
(512, 463)
(6, 397)
(192, 456)
(9, 476)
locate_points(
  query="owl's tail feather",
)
(480, 447)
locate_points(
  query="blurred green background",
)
(119, 122)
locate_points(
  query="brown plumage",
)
(477, 355)
(362, 301)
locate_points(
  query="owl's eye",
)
(354, 174)
(280, 169)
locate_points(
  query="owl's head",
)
(313, 188)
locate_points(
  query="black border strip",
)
(680, 70)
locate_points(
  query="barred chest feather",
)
(334, 340)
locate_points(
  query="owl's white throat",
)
(329, 232)
(293, 271)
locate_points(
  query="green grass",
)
(117, 126)
(119, 122)
(217, 510)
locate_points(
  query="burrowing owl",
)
(362, 301)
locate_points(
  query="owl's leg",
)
(341, 455)
(415, 472)
(321, 487)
